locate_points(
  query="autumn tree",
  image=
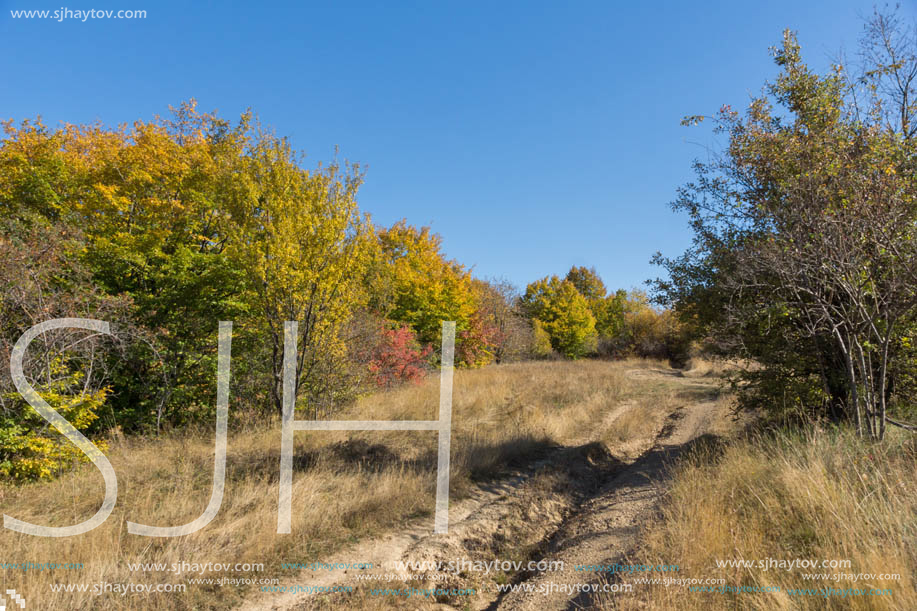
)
(610, 310)
(423, 288)
(152, 204)
(806, 235)
(541, 341)
(198, 220)
(563, 313)
(304, 247)
(609, 314)
(588, 283)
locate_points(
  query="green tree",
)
(806, 237)
(563, 313)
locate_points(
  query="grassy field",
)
(346, 485)
(824, 495)
(820, 494)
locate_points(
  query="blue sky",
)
(531, 135)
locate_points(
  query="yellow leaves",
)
(28, 449)
(300, 239)
(427, 287)
(541, 340)
(563, 313)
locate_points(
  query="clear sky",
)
(531, 135)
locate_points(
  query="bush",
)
(398, 358)
(40, 279)
(28, 449)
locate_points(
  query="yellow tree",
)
(304, 247)
(424, 287)
(563, 313)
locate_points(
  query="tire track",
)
(579, 504)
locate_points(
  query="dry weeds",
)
(820, 495)
(346, 485)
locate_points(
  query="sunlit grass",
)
(346, 485)
(819, 494)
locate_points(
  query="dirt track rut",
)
(606, 527)
(580, 505)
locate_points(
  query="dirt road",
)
(604, 529)
(582, 504)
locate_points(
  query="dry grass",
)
(824, 495)
(643, 421)
(346, 485)
(700, 367)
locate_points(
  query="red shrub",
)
(398, 358)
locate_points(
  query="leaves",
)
(564, 314)
(804, 255)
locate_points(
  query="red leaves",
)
(398, 358)
(475, 344)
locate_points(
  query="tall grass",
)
(346, 485)
(813, 495)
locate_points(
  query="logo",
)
(16, 599)
(443, 426)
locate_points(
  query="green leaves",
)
(804, 253)
(563, 314)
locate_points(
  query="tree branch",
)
(903, 425)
